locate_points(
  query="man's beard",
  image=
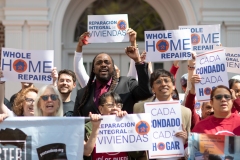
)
(104, 79)
(65, 92)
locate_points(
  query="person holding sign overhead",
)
(206, 108)
(110, 103)
(103, 69)
(223, 121)
(80, 70)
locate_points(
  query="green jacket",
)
(131, 155)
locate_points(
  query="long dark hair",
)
(90, 81)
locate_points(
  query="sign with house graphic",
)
(129, 133)
(108, 28)
(204, 37)
(33, 66)
(166, 121)
(168, 45)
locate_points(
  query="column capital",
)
(13, 22)
(38, 23)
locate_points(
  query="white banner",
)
(166, 121)
(168, 45)
(108, 28)
(203, 37)
(41, 138)
(33, 66)
(130, 133)
(212, 68)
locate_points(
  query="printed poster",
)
(204, 37)
(232, 58)
(212, 68)
(207, 147)
(166, 122)
(129, 133)
(168, 45)
(108, 28)
(34, 66)
(33, 138)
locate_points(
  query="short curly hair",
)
(20, 99)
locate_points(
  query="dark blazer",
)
(129, 89)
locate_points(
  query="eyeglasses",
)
(53, 97)
(220, 96)
(29, 100)
(112, 105)
(165, 80)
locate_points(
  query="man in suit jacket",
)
(130, 90)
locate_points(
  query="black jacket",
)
(129, 89)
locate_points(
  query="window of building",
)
(158, 66)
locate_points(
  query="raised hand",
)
(192, 62)
(83, 40)
(54, 75)
(132, 36)
(143, 56)
(1, 76)
(132, 52)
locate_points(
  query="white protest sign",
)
(33, 66)
(166, 121)
(129, 133)
(31, 138)
(168, 45)
(203, 37)
(233, 59)
(108, 28)
(212, 68)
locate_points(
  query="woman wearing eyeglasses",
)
(23, 104)
(223, 121)
(110, 103)
(48, 102)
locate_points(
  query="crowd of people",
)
(105, 92)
